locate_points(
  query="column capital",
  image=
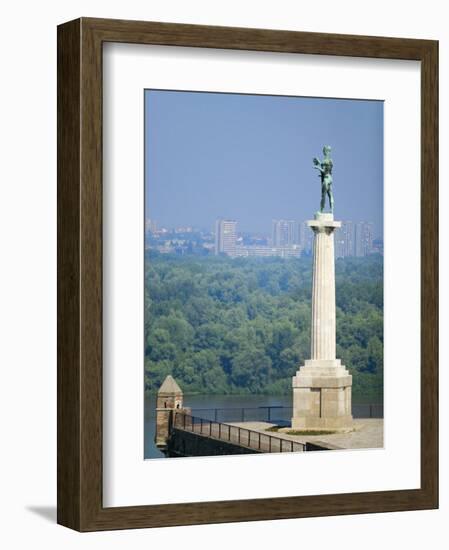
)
(323, 221)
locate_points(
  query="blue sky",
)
(249, 158)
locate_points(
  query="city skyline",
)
(152, 225)
(289, 238)
(232, 156)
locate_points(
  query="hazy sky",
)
(249, 158)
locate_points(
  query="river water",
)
(235, 408)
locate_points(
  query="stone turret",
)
(169, 399)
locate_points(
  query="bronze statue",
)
(325, 169)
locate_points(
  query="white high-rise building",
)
(363, 238)
(150, 226)
(225, 237)
(345, 240)
(283, 233)
(305, 238)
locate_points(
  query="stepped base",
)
(322, 396)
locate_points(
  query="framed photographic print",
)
(247, 274)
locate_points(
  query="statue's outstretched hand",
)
(316, 161)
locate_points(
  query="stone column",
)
(322, 387)
(323, 288)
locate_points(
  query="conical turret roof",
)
(169, 386)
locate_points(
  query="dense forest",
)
(222, 325)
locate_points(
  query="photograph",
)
(263, 278)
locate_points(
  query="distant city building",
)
(378, 246)
(352, 239)
(150, 226)
(283, 233)
(289, 239)
(225, 237)
(260, 251)
(166, 248)
(345, 240)
(305, 238)
(187, 229)
(363, 239)
(210, 247)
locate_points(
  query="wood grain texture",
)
(429, 272)
(80, 274)
(68, 317)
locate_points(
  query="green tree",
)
(243, 325)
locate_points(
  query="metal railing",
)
(275, 414)
(237, 435)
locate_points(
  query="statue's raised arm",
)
(325, 168)
(317, 164)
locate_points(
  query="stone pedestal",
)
(322, 387)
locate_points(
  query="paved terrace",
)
(367, 434)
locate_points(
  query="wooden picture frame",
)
(80, 504)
